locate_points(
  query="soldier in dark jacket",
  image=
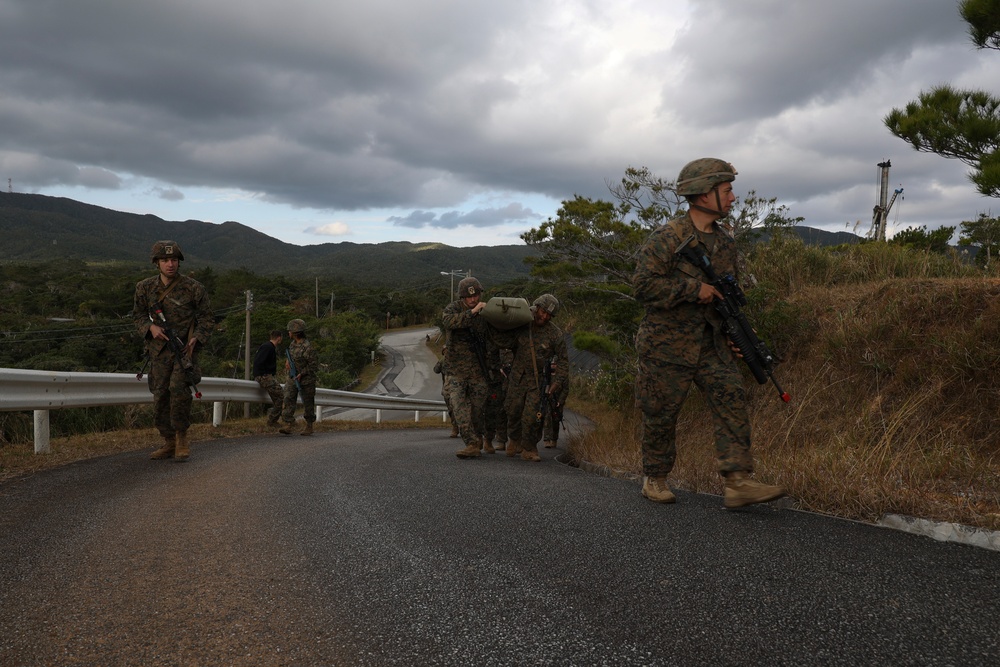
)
(265, 370)
(185, 307)
(681, 340)
(472, 364)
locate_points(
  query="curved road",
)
(382, 548)
(409, 371)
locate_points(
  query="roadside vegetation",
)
(890, 356)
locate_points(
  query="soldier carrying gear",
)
(166, 250)
(702, 176)
(546, 302)
(469, 287)
(296, 326)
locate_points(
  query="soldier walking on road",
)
(302, 365)
(265, 368)
(534, 345)
(553, 416)
(171, 301)
(472, 362)
(681, 340)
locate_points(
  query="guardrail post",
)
(416, 415)
(218, 409)
(378, 416)
(41, 431)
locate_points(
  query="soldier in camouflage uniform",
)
(681, 340)
(534, 345)
(186, 308)
(550, 431)
(472, 363)
(301, 381)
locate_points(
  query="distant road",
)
(383, 548)
(409, 372)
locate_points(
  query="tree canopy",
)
(960, 124)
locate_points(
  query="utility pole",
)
(881, 211)
(317, 298)
(247, 362)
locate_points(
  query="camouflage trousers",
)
(270, 384)
(495, 414)
(523, 424)
(661, 389)
(467, 396)
(172, 395)
(292, 393)
(447, 400)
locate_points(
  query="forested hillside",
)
(37, 228)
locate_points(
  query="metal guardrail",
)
(42, 391)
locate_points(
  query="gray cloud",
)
(480, 217)
(169, 194)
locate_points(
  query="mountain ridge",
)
(40, 228)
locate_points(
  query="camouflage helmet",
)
(165, 250)
(469, 287)
(548, 303)
(296, 326)
(700, 176)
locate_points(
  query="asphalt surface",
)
(383, 548)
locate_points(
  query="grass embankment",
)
(895, 400)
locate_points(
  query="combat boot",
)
(488, 446)
(308, 430)
(470, 452)
(167, 449)
(272, 422)
(530, 455)
(183, 451)
(454, 431)
(501, 444)
(286, 429)
(513, 447)
(741, 490)
(658, 490)
(550, 444)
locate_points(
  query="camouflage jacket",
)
(667, 286)
(548, 343)
(305, 359)
(185, 306)
(464, 333)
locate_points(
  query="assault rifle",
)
(292, 370)
(755, 353)
(176, 346)
(545, 402)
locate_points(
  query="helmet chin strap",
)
(718, 202)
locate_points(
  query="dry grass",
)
(895, 407)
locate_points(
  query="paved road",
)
(409, 371)
(382, 548)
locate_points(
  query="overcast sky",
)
(468, 122)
